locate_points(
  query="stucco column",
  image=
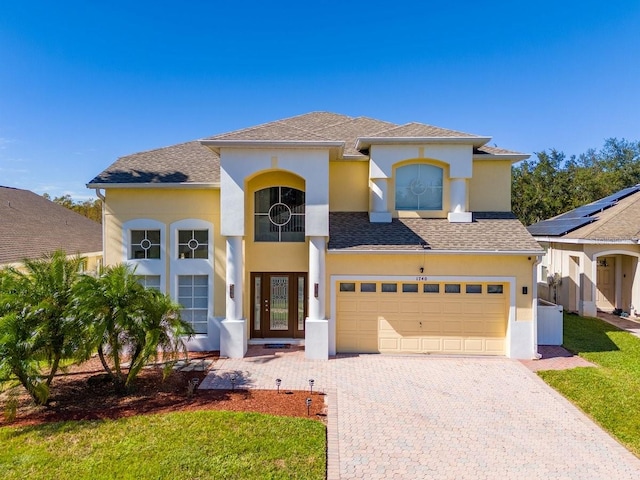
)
(233, 332)
(635, 287)
(316, 278)
(458, 200)
(379, 208)
(618, 285)
(589, 304)
(316, 326)
(234, 278)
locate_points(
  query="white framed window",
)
(144, 244)
(418, 187)
(152, 282)
(191, 271)
(143, 248)
(193, 244)
(193, 295)
(279, 215)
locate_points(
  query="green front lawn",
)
(610, 394)
(186, 445)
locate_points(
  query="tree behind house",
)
(551, 184)
(91, 209)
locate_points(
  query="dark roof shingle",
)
(189, 162)
(32, 226)
(489, 232)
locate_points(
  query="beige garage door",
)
(420, 317)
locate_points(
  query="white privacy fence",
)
(549, 323)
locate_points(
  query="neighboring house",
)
(345, 234)
(32, 226)
(591, 260)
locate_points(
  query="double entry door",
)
(278, 304)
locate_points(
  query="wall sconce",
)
(316, 289)
(421, 269)
(525, 290)
(232, 291)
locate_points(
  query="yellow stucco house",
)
(343, 234)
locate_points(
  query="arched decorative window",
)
(418, 187)
(279, 215)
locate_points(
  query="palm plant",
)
(128, 322)
(49, 284)
(37, 325)
(19, 348)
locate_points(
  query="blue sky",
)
(83, 82)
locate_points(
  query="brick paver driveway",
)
(416, 417)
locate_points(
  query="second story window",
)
(145, 244)
(193, 244)
(279, 215)
(418, 187)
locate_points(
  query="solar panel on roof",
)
(586, 210)
(557, 226)
(620, 195)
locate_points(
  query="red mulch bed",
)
(78, 394)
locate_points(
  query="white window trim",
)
(192, 266)
(146, 266)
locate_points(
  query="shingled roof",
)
(194, 163)
(498, 232)
(618, 222)
(189, 162)
(32, 226)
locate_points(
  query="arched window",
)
(279, 215)
(418, 187)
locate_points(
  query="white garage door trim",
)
(519, 338)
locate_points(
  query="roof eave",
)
(513, 157)
(216, 145)
(585, 241)
(181, 185)
(364, 143)
(434, 252)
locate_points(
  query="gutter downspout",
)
(534, 288)
(101, 196)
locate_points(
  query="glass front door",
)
(278, 305)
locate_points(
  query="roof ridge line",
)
(272, 122)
